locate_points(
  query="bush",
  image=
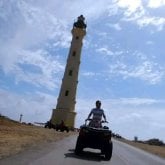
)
(156, 142)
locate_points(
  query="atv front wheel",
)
(108, 151)
(79, 146)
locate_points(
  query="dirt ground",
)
(16, 137)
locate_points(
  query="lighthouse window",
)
(66, 93)
(74, 53)
(77, 37)
(70, 72)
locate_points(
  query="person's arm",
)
(104, 116)
(90, 114)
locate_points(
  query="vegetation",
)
(155, 142)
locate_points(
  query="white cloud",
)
(156, 3)
(146, 71)
(137, 101)
(138, 66)
(49, 66)
(150, 43)
(35, 26)
(159, 22)
(89, 74)
(27, 42)
(69, 10)
(115, 26)
(131, 6)
(112, 8)
(105, 51)
(132, 11)
(140, 123)
(138, 13)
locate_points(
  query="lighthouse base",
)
(63, 115)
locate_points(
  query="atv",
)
(61, 127)
(58, 127)
(96, 138)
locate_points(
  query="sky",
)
(122, 61)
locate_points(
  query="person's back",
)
(97, 114)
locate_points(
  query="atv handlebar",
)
(102, 121)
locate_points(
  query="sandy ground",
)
(16, 137)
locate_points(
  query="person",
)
(97, 114)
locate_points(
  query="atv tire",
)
(79, 146)
(108, 151)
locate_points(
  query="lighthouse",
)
(65, 108)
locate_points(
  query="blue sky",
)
(122, 61)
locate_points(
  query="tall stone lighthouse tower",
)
(65, 108)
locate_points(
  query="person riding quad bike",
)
(97, 114)
(93, 135)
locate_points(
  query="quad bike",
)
(61, 127)
(58, 127)
(96, 138)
